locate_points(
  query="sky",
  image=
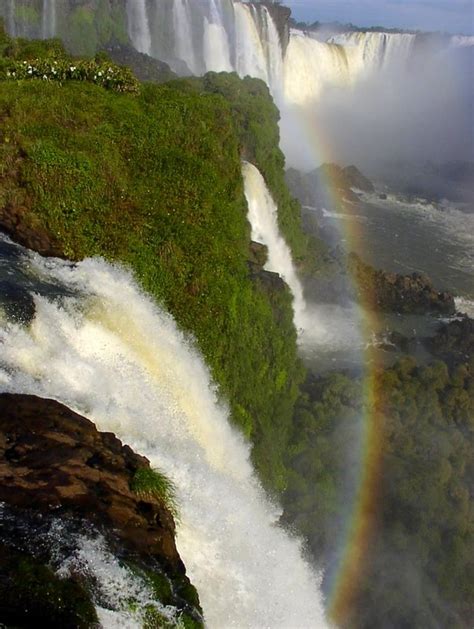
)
(454, 16)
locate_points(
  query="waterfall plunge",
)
(48, 23)
(263, 218)
(112, 355)
(139, 26)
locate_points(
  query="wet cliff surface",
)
(59, 473)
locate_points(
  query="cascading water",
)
(139, 26)
(263, 218)
(48, 23)
(109, 353)
(216, 41)
(183, 44)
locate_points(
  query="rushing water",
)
(263, 218)
(99, 345)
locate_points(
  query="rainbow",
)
(361, 512)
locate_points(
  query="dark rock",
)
(144, 67)
(454, 341)
(18, 304)
(258, 253)
(355, 179)
(317, 187)
(281, 17)
(52, 460)
(31, 595)
(383, 196)
(15, 221)
(391, 292)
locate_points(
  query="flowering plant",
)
(105, 74)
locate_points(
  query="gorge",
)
(161, 289)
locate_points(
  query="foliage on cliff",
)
(419, 569)
(154, 181)
(256, 118)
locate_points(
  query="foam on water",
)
(112, 355)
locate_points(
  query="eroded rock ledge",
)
(53, 462)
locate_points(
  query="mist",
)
(395, 116)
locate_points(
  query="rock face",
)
(281, 16)
(454, 342)
(144, 67)
(14, 220)
(391, 292)
(317, 187)
(53, 461)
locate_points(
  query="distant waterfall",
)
(263, 218)
(138, 25)
(183, 43)
(48, 22)
(108, 352)
(216, 42)
(10, 18)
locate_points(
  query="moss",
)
(151, 483)
(32, 595)
(154, 181)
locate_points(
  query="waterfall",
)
(216, 41)
(108, 352)
(48, 21)
(263, 218)
(10, 18)
(372, 51)
(310, 66)
(138, 25)
(183, 44)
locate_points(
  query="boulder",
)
(55, 463)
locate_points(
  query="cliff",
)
(153, 180)
(58, 470)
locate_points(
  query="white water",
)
(216, 42)
(263, 218)
(48, 23)
(114, 585)
(138, 25)
(183, 45)
(113, 356)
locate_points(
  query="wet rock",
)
(14, 221)
(258, 254)
(32, 595)
(454, 341)
(54, 461)
(391, 292)
(144, 67)
(17, 303)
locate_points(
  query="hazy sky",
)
(455, 16)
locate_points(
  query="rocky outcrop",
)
(281, 16)
(144, 67)
(454, 341)
(55, 463)
(391, 292)
(318, 186)
(15, 221)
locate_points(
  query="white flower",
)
(30, 71)
(99, 73)
(72, 68)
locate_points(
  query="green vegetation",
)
(32, 595)
(107, 75)
(85, 26)
(256, 118)
(419, 571)
(151, 483)
(153, 181)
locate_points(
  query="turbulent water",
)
(103, 348)
(263, 218)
